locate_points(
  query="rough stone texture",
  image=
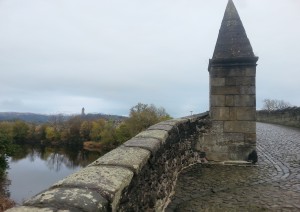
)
(217, 82)
(240, 126)
(161, 126)
(149, 190)
(73, 199)
(246, 81)
(245, 114)
(245, 100)
(232, 40)
(175, 122)
(232, 72)
(109, 181)
(229, 100)
(133, 158)
(158, 134)
(225, 70)
(223, 90)
(288, 116)
(30, 209)
(220, 113)
(273, 184)
(151, 144)
(218, 100)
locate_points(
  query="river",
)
(34, 168)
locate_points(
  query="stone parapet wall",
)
(288, 117)
(137, 176)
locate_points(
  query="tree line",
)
(76, 130)
(275, 104)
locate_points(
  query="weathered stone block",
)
(70, 199)
(195, 118)
(240, 152)
(223, 90)
(240, 126)
(207, 140)
(160, 126)
(230, 138)
(247, 90)
(246, 113)
(229, 100)
(30, 209)
(250, 138)
(158, 134)
(175, 122)
(218, 148)
(217, 127)
(217, 156)
(240, 81)
(217, 81)
(250, 71)
(132, 157)
(217, 101)
(107, 180)
(220, 113)
(151, 144)
(218, 142)
(232, 72)
(245, 100)
(232, 112)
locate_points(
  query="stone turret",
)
(232, 72)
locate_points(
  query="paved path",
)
(272, 185)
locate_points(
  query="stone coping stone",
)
(151, 144)
(161, 126)
(109, 181)
(161, 135)
(196, 117)
(133, 158)
(73, 199)
(175, 122)
(32, 209)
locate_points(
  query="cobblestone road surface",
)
(272, 185)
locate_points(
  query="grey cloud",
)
(109, 55)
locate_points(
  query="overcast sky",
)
(57, 56)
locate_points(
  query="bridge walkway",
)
(272, 185)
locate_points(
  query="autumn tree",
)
(108, 134)
(85, 130)
(122, 133)
(74, 125)
(97, 128)
(20, 131)
(52, 134)
(6, 146)
(274, 104)
(143, 116)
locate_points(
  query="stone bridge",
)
(141, 174)
(273, 184)
(137, 176)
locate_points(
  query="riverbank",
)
(5, 202)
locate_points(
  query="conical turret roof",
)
(232, 40)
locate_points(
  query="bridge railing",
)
(288, 116)
(137, 176)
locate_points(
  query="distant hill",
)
(42, 118)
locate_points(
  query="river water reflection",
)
(35, 168)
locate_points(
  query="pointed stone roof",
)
(232, 40)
